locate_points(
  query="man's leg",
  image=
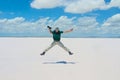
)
(52, 44)
(65, 48)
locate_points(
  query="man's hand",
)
(71, 29)
(68, 30)
(49, 27)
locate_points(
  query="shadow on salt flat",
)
(60, 62)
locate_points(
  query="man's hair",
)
(56, 28)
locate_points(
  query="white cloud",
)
(39, 4)
(87, 25)
(20, 25)
(115, 3)
(83, 6)
(82, 25)
(112, 25)
(75, 6)
(64, 22)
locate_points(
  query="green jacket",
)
(57, 35)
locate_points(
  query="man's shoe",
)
(70, 53)
(42, 54)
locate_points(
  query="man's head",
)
(56, 29)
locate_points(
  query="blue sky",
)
(89, 18)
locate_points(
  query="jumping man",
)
(56, 37)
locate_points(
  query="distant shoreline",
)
(62, 37)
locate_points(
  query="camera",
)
(49, 27)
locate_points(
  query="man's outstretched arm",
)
(70, 30)
(49, 28)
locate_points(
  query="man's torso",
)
(57, 35)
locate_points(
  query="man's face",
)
(56, 29)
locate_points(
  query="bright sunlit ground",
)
(94, 59)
